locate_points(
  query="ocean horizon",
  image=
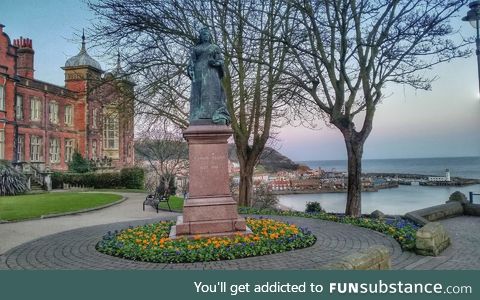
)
(466, 167)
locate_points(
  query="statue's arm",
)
(217, 61)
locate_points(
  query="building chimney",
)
(25, 55)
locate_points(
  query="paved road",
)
(71, 245)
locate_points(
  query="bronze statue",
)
(207, 98)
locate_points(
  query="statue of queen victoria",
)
(207, 98)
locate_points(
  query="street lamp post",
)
(473, 16)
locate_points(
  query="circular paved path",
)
(75, 249)
(66, 243)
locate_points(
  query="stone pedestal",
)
(209, 209)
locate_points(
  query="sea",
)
(396, 201)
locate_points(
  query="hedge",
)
(133, 178)
(130, 178)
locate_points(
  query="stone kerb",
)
(471, 209)
(435, 213)
(373, 258)
(432, 239)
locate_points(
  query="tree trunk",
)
(354, 189)
(246, 183)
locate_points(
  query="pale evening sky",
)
(444, 122)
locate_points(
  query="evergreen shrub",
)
(93, 180)
(133, 178)
(78, 164)
(313, 207)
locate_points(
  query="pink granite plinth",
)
(209, 209)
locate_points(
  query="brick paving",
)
(75, 249)
(463, 253)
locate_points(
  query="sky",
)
(443, 122)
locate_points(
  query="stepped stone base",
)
(209, 228)
(214, 215)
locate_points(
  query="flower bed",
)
(402, 230)
(151, 243)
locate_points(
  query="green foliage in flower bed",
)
(151, 243)
(401, 230)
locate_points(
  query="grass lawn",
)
(14, 208)
(119, 190)
(176, 203)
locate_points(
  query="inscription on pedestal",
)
(208, 170)
(210, 209)
(211, 162)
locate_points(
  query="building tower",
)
(447, 175)
(125, 109)
(82, 75)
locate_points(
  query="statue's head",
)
(204, 36)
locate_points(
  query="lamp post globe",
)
(473, 16)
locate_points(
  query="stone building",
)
(42, 124)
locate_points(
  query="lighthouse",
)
(447, 175)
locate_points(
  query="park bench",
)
(160, 195)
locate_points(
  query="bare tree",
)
(155, 37)
(165, 153)
(347, 51)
